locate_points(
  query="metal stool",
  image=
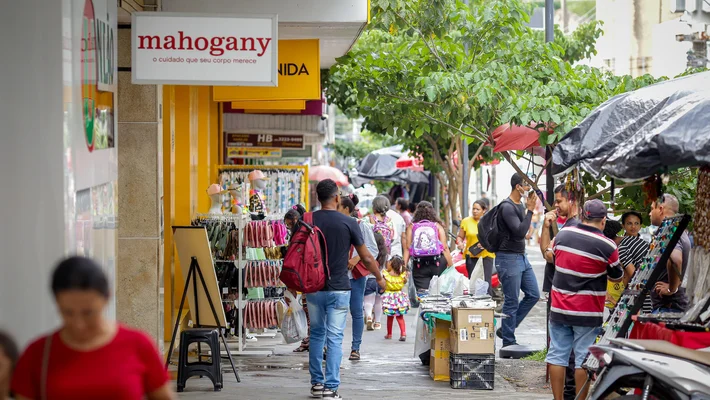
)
(211, 369)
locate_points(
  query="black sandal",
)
(305, 344)
(354, 355)
(301, 349)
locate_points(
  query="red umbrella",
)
(322, 172)
(514, 138)
(409, 162)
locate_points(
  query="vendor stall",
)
(645, 134)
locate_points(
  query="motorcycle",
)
(650, 370)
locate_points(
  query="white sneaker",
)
(250, 338)
(317, 390)
(331, 394)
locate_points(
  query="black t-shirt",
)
(340, 233)
(679, 300)
(514, 226)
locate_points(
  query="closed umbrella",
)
(323, 172)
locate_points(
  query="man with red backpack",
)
(328, 308)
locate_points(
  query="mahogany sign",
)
(204, 49)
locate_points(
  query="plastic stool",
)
(211, 369)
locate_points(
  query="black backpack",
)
(490, 234)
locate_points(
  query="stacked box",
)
(472, 331)
(440, 350)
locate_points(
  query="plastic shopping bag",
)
(294, 327)
(481, 287)
(447, 280)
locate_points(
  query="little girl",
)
(395, 303)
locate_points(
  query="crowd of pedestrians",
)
(371, 261)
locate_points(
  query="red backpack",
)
(304, 265)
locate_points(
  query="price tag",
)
(475, 319)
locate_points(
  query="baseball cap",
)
(594, 209)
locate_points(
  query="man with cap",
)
(584, 258)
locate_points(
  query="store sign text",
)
(105, 51)
(245, 140)
(217, 45)
(291, 69)
(204, 49)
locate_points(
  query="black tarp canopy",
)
(637, 134)
(379, 165)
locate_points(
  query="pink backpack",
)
(384, 228)
(425, 240)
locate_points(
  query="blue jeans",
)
(357, 300)
(329, 308)
(516, 274)
(565, 338)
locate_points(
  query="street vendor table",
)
(658, 331)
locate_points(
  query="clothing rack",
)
(644, 280)
(286, 185)
(230, 253)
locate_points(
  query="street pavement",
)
(388, 369)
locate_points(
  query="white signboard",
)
(204, 49)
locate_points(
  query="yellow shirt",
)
(470, 226)
(394, 283)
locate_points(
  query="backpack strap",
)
(308, 218)
(321, 236)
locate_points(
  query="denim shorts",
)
(564, 338)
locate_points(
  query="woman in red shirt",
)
(89, 357)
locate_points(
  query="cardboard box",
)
(472, 331)
(440, 349)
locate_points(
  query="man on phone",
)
(514, 269)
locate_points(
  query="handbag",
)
(45, 368)
(475, 250)
(360, 269)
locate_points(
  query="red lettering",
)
(216, 46)
(153, 42)
(182, 41)
(244, 44)
(170, 42)
(205, 43)
(264, 43)
(232, 44)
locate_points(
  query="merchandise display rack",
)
(302, 198)
(644, 280)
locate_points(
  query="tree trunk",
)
(698, 281)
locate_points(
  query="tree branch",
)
(429, 117)
(436, 151)
(607, 190)
(431, 49)
(544, 168)
(472, 161)
(508, 158)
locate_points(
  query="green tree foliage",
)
(430, 72)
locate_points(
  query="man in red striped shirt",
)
(584, 258)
